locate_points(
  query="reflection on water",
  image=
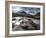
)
(25, 23)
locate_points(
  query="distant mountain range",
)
(22, 12)
(27, 12)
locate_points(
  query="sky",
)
(27, 10)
